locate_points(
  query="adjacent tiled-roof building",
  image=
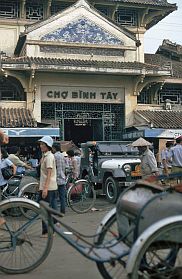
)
(170, 55)
(16, 118)
(166, 119)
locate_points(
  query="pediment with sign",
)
(83, 31)
(80, 24)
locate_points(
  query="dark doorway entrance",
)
(77, 133)
(86, 121)
(82, 132)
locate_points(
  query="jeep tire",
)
(111, 189)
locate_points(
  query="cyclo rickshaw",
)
(140, 238)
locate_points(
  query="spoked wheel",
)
(29, 191)
(115, 269)
(22, 247)
(161, 256)
(81, 196)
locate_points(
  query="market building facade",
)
(81, 70)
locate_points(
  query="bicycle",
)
(142, 247)
(21, 247)
(17, 186)
(80, 194)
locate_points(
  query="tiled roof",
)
(171, 47)
(161, 60)
(167, 119)
(54, 62)
(16, 117)
(168, 55)
(146, 2)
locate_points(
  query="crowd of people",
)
(53, 165)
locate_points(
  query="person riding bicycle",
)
(13, 157)
(5, 162)
(4, 139)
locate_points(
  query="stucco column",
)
(130, 103)
(47, 9)
(140, 48)
(22, 9)
(37, 103)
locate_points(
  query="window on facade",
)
(11, 90)
(126, 17)
(9, 9)
(174, 93)
(103, 10)
(34, 10)
(143, 98)
(59, 6)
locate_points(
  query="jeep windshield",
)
(117, 148)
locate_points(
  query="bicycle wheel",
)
(115, 269)
(21, 247)
(29, 191)
(161, 256)
(81, 196)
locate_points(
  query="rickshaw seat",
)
(144, 204)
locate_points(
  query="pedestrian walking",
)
(176, 156)
(61, 178)
(48, 183)
(166, 162)
(73, 163)
(148, 160)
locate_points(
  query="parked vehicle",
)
(112, 166)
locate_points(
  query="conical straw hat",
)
(141, 142)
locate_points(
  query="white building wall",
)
(9, 36)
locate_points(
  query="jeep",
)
(111, 166)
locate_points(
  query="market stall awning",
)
(153, 133)
(32, 132)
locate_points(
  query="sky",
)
(169, 28)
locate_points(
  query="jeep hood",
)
(118, 163)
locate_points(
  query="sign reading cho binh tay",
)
(51, 93)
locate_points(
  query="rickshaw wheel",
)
(115, 269)
(161, 256)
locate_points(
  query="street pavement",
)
(65, 262)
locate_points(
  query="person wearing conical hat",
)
(148, 160)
